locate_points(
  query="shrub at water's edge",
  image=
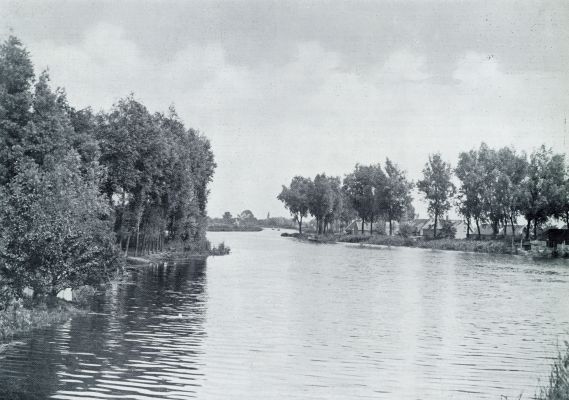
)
(18, 319)
(81, 191)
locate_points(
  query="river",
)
(282, 319)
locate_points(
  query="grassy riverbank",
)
(17, 320)
(477, 246)
(172, 255)
(232, 228)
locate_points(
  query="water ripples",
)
(283, 319)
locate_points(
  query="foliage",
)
(16, 78)
(158, 172)
(362, 187)
(220, 250)
(74, 185)
(16, 320)
(247, 218)
(437, 187)
(447, 230)
(57, 230)
(542, 188)
(395, 194)
(295, 198)
(470, 193)
(228, 218)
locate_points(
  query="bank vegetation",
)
(495, 187)
(80, 190)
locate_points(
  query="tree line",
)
(370, 192)
(493, 186)
(78, 187)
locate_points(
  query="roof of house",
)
(419, 222)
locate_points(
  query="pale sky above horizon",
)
(286, 88)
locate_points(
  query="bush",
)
(447, 230)
(220, 250)
(57, 230)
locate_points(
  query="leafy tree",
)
(491, 201)
(437, 187)
(448, 230)
(470, 194)
(362, 187)
(395, 194)
(320, 200)
(247, 218)
(542, 189)
(512, 169)
(296, 198)
(16, 78)
(335, 211)
(67, 176)
(57, 229)
(227, 218)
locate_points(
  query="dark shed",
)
(555, 236)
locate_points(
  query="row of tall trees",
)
(496, 187)
(158, 172)
(370, 192)
(500, 186)
(75, 185)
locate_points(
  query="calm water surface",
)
(280, 319)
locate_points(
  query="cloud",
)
(312, 113)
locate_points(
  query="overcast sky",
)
(286, 88)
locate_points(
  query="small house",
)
(462, 229)
(355, 227)
(506, 231)
(555, 236)
(419, 225)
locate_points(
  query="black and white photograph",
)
(284, 199)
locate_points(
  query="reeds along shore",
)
(557, 388)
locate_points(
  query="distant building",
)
(355, 227)
(419, 225)
(380, 226)
(460, 227)
(506, 231)
(555, 236)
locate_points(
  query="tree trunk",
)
(513, 227)
(371, 226)
(528, 228)
(390, 227)
(435, 227)
(137, 240)
(535, 229)
(300, 225)
(468, 228)
(127, 244)
(362, 226)
(478, 228)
